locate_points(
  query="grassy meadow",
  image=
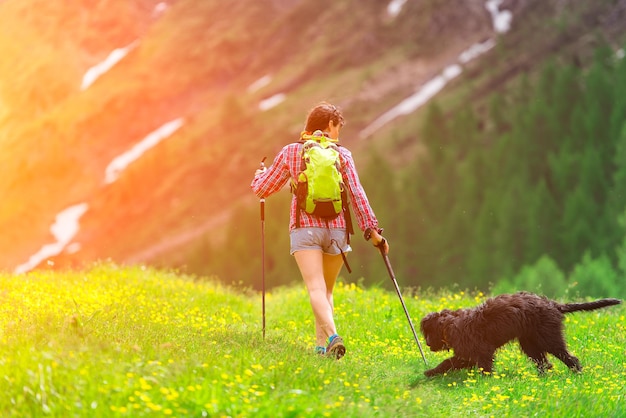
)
(115, 341)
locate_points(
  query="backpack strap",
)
(295, 187)
(298, 209)
(345, 206)
(343, 256)
(346, 212)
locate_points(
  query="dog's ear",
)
(448, 312)
(428, 319)
(447, 316)
(435, 319)
(456, 328)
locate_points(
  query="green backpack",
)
(319, 188)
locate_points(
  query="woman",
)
(318, 244)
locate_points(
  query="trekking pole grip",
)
(262, 200)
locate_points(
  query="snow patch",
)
(476, 50)
(95, 72)
(159, 9)
(395, 7)
(119, 163)
(64, 229)
(271, 102)
(501, 19)
(259, 84)
(413, 102)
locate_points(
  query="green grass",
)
(134, 342)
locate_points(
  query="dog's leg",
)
(443, 367)
(538, 356)
(570, 361)
(558, 348)
(460, 363)
(543, 365)
(485, 367)
(485, 362)
(453, 363)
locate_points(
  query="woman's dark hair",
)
(320, 116)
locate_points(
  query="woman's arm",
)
(267, 182)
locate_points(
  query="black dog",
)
(476, 333)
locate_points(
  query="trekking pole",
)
(262, 202)
(381, 247)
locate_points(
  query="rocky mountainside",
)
(131, 129)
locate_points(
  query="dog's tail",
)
(588, 306)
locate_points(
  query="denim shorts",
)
(328, 240)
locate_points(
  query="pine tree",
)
(541, 224)
(575, 230)
(435, 132)
(616, 202)
(497, 114)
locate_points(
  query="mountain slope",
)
(196, 61)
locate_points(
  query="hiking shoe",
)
(335, 347)
(320, 350)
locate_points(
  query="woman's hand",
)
(259, 171)
(379, 241)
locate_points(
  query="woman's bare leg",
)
(332, 267)
(319, 272)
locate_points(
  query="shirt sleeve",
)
(363, 211)
(274, 178)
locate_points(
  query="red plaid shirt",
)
(286, 166)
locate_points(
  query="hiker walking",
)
(320, 236)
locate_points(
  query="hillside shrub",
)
(595, 277)
(544, 277)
